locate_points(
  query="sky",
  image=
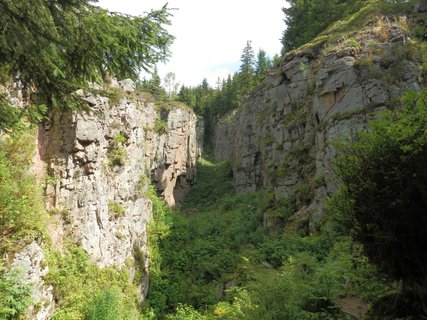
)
(211, 34)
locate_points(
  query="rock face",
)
(281, 138)
(99, 166)
(30, 262)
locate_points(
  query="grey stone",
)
(127, 85)
(294, 121)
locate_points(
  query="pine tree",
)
(188, 96)
(54, 47)
(247, 72)
(153, 86)
(263, 64)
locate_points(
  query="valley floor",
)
(222, 259)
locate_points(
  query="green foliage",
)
(15, 294)
(105, 306)
(184, 312)
(159, 228)
(115, 95)
(160, 126)
(229, 93)
(120, 139)
(22, 212)
(304, 192)
(352, 43)
(117, 154)
(263, 64)
(384, 195)
(59, 46)
(247, 72)
(316, 22)
(306, 19)
(213, 179)
(219, 242)
(153, 86)
(75, 278)
(116, 209)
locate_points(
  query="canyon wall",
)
(98, 168)
(282, 137)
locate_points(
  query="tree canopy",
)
(54, 47)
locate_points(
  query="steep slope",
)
(282, 137)
(99, 166)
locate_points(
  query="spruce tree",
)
(247, 72)
(54, 47)
(263, 64)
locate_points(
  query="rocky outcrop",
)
(31, 262)
(99, 165)
(282, 137)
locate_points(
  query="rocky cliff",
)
(98, 167)
(281, 138)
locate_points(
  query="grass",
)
(347, 28)
(115, 209)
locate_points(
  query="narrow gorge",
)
(136, 206)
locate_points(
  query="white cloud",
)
(210, 35)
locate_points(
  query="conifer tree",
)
(54, 47)
(263, 64)
(188, 96)
(305, 19)
(247, 72)
(153, 86)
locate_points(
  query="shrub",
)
(75, 279)
(384, 196)
(15, 295)
(117, 154)
(116, 209)
(160, 126)
(22, 212)
(104, 306)
(184, 312)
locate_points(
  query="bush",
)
(75, 279)
(116, 209)
(384, 199)
(105, 306)
(160, 126)
(184, 312)
(15, 295)
(216, 260)
(22, 212)
(117, 154)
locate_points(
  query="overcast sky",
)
(210, 35)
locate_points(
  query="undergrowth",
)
(85, 291)
(217, 260)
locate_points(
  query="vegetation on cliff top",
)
(321, 21)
